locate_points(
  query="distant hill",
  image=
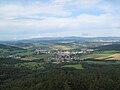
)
(56, 39)
(106, 38)
(6, 50)
(8, 47)
(109, 47)
(73, 38)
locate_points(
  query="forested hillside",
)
(109, 47)
(36, 75)
(6, 50)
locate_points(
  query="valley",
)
(42, 64)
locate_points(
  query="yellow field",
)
(115, 56)
(57, 47)
(96, 56)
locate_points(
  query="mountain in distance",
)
(72, 38)
(109, 47)
(8, 47)
(76, 38)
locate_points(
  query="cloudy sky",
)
(22, 19)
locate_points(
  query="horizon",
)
(27, 19)
(50, 37)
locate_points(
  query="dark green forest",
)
(15, 76)
(109, 47)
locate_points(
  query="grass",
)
(102, 55)
(98, 62)
(95, 56)
(43, 56)
(61, 47)
(76, 66)
(102, 62)
(29, 58)
(24, 53)
(111, 52)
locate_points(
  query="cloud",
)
(13, 10)
(80, 1)
(53, 24)
(59, 18)
(86, 34)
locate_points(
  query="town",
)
(56, 55)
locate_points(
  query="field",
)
(61, 47)
(96, 56)
(37, 57)
(115, 56)
(111, 54)
(24, 53)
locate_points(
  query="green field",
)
(43, 56)
(100, 54)
(111, 52)
(96, 56)
(25, 53)
(102, 62)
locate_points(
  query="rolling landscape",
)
(69, 63)
(59, 44)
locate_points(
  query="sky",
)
(24, 19)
